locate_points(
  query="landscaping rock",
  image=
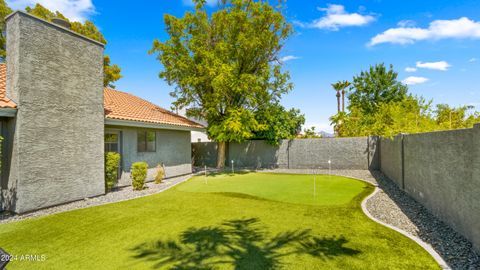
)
(116, 195)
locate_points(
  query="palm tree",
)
(346, 84)
(338, 87)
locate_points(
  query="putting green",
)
(291, 188)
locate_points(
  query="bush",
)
(160, 174)
(138, 173)
(112, 162)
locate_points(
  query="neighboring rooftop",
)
(5, 102)
(118, 105)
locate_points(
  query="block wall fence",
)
(441, 170)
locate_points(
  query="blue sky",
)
(437, 40)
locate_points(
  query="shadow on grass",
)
(241, 244)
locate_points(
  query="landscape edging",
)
(423, 244)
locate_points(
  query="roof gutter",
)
(138, 124)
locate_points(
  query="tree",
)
(340, 87)
(225, 66)
(88, 29)
(346, 84)
(337, 87)
(111, 73)
(4, 11)
(447, 117)
(376, 86)
(280, 123)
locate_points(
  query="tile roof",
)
(5, 102)
(118, 105)
(124, 106)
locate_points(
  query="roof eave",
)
(8, 112)
(140, 124)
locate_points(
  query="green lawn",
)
(246, 221)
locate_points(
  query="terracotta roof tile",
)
(5, 102)
(118, 105)
(124, 106)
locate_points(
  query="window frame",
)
(144, 134)
(117, 134)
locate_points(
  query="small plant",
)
(112, 162)
(138, 174)
(160, 174)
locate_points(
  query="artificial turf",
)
(246, 221)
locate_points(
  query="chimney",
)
(63, 23)
(56, 78)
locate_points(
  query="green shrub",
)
(112, 162)
(1, 140)
(160, 174)
(138, 173)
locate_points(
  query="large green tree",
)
(280, 123)
(4, 11)
(375, 86)
(88, 29)
(225, 65)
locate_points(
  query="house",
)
(57, 120)
(197, 136)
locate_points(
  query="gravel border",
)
(393, 206)
(396, 209)
(116, 195)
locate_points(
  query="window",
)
(146, 141)
(111, 142)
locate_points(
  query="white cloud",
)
(440, 65)
(410, 69)
(473, 60)
(288, 58)
(412, 80)
(440, 29)
(75, 10)
(406, 23)
(209, 2)
(336, 17)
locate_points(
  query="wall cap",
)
(23, 13)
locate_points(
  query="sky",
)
(432, 44)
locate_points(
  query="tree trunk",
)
(221, 155)
(343, 100)
(338, 101)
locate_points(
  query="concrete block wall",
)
(345, 153)
(391, 158)
(441, 170)
(56, 78)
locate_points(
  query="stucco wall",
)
(442, 171)
(56, 79)
(173, 148)
(345, 153)
(391, 158)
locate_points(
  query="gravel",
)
(393, 206)
(116, 195)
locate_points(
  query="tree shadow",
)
(241, 243)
